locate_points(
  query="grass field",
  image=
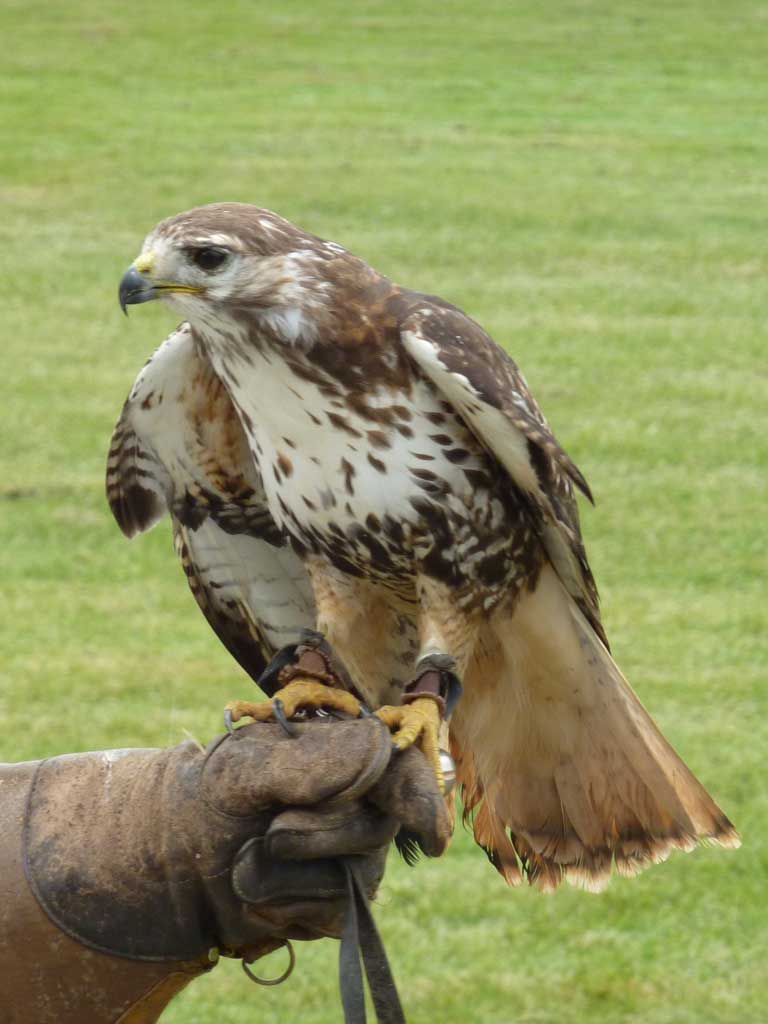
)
(590, 181)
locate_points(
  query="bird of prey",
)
(343, 453)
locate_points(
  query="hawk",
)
(339, 452)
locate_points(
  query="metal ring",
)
(274, 981)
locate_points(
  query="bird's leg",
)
(447, 637)
(302, 677)
(428, 700)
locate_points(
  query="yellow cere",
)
(145, 262)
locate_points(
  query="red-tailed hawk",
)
(312, 423)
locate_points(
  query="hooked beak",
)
(135, 288)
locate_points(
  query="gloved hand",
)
(164, 856)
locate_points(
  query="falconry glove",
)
(124, 874)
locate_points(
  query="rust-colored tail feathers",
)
(562, 770)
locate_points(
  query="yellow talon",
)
(296, 696)
(417, 723)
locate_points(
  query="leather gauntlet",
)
(165, 857)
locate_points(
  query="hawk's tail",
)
(563, 770)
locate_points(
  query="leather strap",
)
(149, 1007)
(361, 938)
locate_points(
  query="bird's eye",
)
(208, 257)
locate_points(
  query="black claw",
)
(278, 710)
(269, 680)
(228, 724)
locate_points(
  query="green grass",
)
(589, 180)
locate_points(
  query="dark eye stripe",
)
(208, 257)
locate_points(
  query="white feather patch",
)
(507, 443)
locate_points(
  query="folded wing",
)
(179, 448)
(488, 390)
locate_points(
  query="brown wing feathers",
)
(229, 618)
(136, 482)
(487, 388)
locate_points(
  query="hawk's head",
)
(234, 261)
